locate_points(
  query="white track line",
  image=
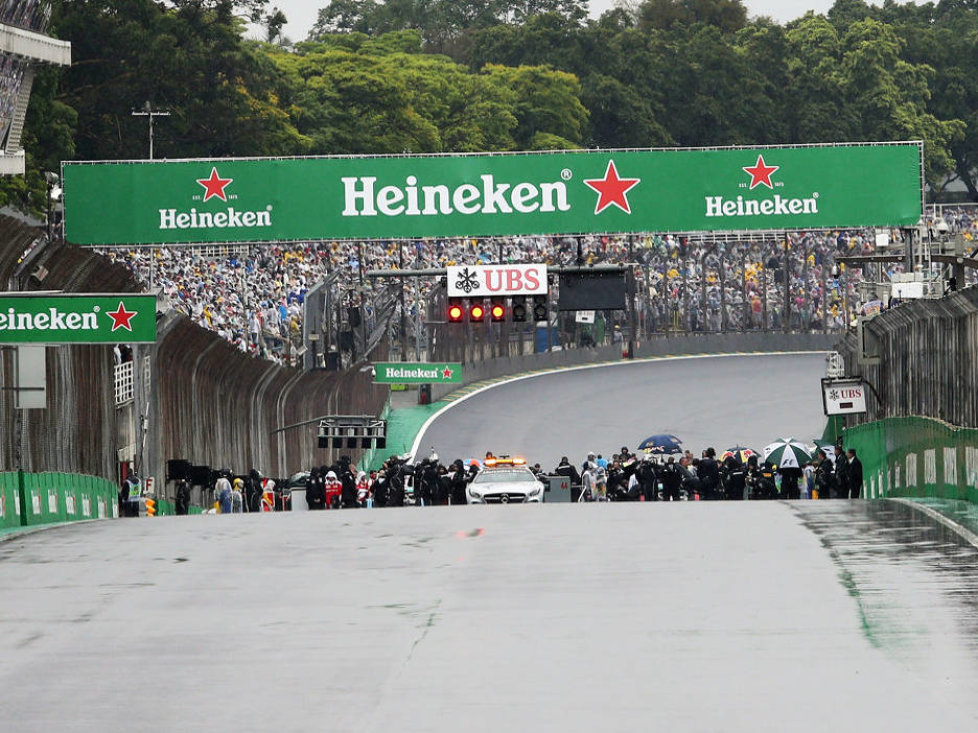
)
(557, 370)
(959, 529)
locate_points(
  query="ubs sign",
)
(488, 280)
(843, 396)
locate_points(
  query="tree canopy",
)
(484, 75)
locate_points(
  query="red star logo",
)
(446, 373)
(121, 318)
(612, 189)
(215, 185)
(760, 174)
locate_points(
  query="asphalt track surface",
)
(722, 401)
(690, 616)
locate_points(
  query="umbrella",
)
(787, 453)
(661, 445)
(828, 446)
(739, 452)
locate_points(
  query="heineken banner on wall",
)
(77, 319)
(572, 192)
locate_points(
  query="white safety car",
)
(505, 480)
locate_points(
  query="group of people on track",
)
(624, 477)
(627, 477)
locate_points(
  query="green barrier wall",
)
(916, 457)
(30, 499)
(9, 501)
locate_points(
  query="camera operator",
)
(457, 481)
(734, 477)
(316, 489)
(708, 473)
(397, 471)
(672, 475)
(648, 479)
(761, 480)
(824, 475)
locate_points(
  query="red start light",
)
(477, 312)
(497, 312)
(455, 313)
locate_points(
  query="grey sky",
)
(302, 13)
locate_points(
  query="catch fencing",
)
(927, 366)
(194, 396)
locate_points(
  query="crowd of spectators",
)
(252, 295)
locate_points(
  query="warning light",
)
(150, 507)
(519, 308)
(477, 312)
(540, 308)
(497, 311)
(456, 312)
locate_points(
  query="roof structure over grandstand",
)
(23, 45)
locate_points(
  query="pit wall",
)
(32, 499)
(916, 457)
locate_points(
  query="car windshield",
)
(504, 476)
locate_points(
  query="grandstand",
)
(23, 46)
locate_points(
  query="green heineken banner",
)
(400, 372)
(77, 319)
(671, 190)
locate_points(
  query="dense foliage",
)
(471, 75)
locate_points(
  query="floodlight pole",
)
(148, 111)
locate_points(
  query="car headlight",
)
(535, 492)
(475, 494)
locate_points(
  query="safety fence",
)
(925, 351)
(194, 396)
(916, 457)
(31, 499)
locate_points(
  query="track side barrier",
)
(35, 499)
(916, 457)
(10, 504)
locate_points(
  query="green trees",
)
(354, 94)
(480, 75)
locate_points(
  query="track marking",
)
(556, 370)
(959, 529)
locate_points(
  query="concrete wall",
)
(709, 343)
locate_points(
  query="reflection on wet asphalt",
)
(915, 581)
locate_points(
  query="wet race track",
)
(693, 616)
(713, 401)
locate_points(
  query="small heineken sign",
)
(77, 319)
(401, 372)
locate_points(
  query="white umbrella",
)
(787, 453)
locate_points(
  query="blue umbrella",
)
(661, 445)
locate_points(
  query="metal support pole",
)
(631, 302)
(807, 293)
(360, 261)
(403, 329)
(686, 314)
(743, 278)
(762, 277)
(723, 294)
(149, 112)
(786, 321)
(825, 298)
